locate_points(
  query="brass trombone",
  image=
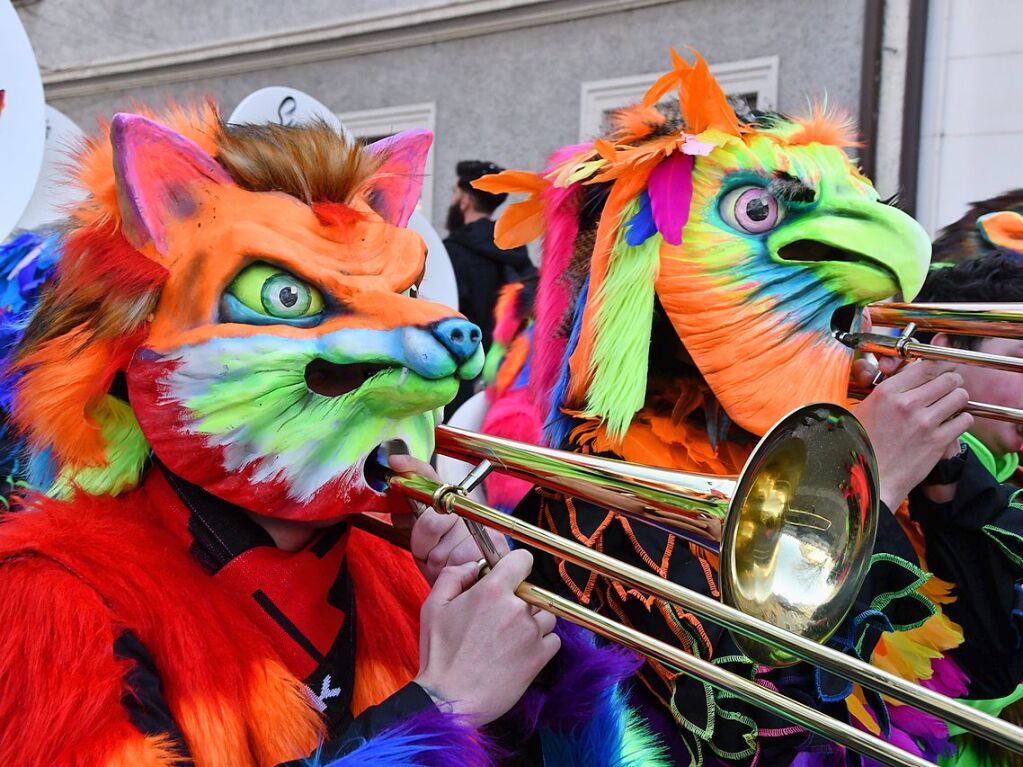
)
(793, 532)
(987, 320)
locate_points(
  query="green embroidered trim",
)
(700, 733)
(910, 591)
(752, 730)
(696, 644)
(884, 599)
(998, 535)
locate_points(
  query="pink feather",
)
(553, 296)
(671, 192)
(513, 416)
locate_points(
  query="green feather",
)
(622, 331)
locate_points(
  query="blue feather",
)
(26, 263)
(557, 425)
(603, 742)
(641, 226)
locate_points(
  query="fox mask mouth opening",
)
(375, 469)
(330, 379)
(845, 319)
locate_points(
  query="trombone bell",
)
(800, 528)
(793, 532)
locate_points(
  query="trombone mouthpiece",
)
(852, 340)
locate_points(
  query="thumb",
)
(863, 372)
(890, 365)
(407, 464)
(453, 580)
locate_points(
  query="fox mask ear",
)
(158, 173)
(394, 190)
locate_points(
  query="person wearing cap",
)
(481, 268)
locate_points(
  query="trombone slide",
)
(447, 499)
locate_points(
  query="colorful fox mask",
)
(752, 240)
(250, 290)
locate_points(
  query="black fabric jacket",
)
(976, 541)
(481, 269)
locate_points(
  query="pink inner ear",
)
(157, 172)
(395, 189)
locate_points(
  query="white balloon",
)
(469, 417)
(284, 106)
(439, 280)
(22, 122)
(55, 192)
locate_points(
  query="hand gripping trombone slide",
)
(794, 532)
(982, 320)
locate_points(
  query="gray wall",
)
(510, 97)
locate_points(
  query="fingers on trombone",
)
(465, 550)
(428, 533)
(450, 584)
(952, 402)
(511, 570)
(955, 427)
(545, 622)
(938, 389)
(912, 374)
(887, 367)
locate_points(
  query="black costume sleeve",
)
(410, 699)
(976, 542)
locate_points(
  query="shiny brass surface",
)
(979, 409)
(793, 532)
(450, 501)
(982, 320)
(754, 694)
(772, 489)
(998, 320)
(910, 348)
(800, 529)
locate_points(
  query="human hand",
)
(480, 645)
(914, 419)
(438, 540)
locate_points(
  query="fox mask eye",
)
(263, 294)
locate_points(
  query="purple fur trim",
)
(671, 194)
(429, 738)
(585, 673)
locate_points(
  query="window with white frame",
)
(369, 125)
(754, 80)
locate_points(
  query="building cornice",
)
(353, 36)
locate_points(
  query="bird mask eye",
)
(751, 209)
